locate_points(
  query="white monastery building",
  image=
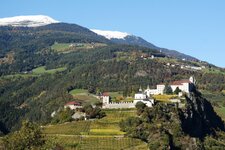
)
(139, 97)
(159, 90)
(185, 85)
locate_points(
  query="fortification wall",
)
(119, 105)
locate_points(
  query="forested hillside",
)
(25, 93)
(30, 47)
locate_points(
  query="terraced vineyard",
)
(164, 98)
(97, 134)
(74, 128)
(115, 116)
(100, 143)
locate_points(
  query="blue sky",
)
(194, 27)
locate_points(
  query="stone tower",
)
(105, 98)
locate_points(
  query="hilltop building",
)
(185, 85)
(159, 90)
(139, 97)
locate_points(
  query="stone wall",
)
(114, 105)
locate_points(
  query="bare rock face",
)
(199, 118)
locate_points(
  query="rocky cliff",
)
(199, 119)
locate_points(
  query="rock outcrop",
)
(198, 118)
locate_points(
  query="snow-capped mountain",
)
(27, 21)
(111, 34)
(125, 38)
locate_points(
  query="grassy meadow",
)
(118, 97)
(42, 70)
(70, 47)
(78, 91)
(83, 96)
(36, 72)
(220, 111)
(217, 99)
(214, 70)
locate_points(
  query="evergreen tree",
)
(168, 90)
(140, 107)
(177, 91)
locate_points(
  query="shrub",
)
(28, 137)
(168, 90)
(140, 107)
(62, 116)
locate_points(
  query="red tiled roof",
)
(73, 103)
(105, 94)
(160, 84)
(180, 82)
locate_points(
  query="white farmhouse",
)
(72, 105)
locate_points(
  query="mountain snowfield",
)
(111, 34)
(27, 21)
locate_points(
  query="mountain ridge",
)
(114, 36)
(136, 40)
